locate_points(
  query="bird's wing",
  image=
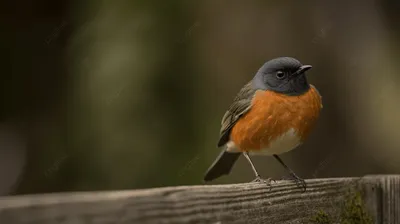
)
(241, 104)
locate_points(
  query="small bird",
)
(272, 114)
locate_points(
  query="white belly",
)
(281, 144)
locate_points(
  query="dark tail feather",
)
(222, 165)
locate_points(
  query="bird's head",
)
(282, 75)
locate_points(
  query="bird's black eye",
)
(280, 75)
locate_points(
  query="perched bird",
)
(271, 115)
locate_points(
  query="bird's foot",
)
(265, 181)
(299, 181)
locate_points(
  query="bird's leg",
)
(258, 177)
(299, 181)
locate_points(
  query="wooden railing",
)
(370, 199)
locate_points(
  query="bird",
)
(272, 114)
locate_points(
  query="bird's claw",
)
(265, 181)
(301, 183)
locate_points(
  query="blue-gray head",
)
(282, 75)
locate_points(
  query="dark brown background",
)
(102, 95)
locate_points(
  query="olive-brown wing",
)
(241, 104)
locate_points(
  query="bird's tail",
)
(222, 165)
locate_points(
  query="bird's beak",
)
(302, 69)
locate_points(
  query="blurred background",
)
(101, 95)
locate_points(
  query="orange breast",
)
(273, 114)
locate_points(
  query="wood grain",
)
(236, 203)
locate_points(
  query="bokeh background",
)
(101, 95)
